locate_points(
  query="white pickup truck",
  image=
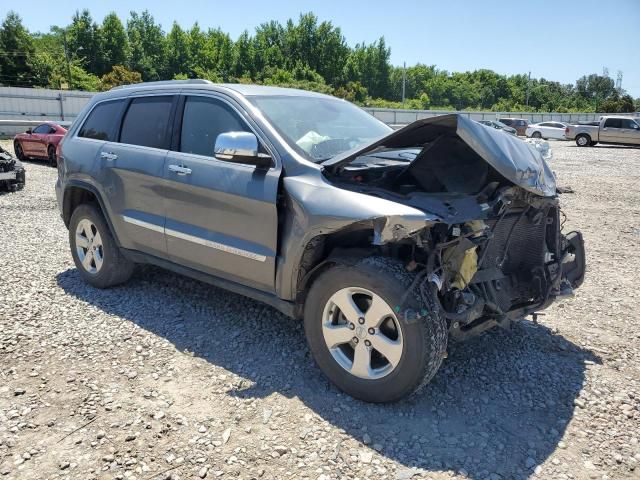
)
(610, 129)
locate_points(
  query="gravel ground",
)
(167, 377)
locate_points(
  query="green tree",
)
(119, 75)
(244, 56)
(85, 42)
(148, 46)
(115, 43)
(177, 51)
(17, 53)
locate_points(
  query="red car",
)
(41, 142)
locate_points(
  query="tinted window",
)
(42, 129)
(101, 123)
(146, 122)
(506, 121)
(203, 120)
(613, 123)
(628, 123)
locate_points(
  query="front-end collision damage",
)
(474, 213)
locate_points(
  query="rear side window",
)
(613, 123)
(101, 123)
(146, 122)
(506, 121)
(203, 120)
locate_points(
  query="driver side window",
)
(42, 129)
(203, 119)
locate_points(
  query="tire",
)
(17, 148)
(536, 135)
(105, 268)
(51, 156)
(583, 140)
(593, 144)
(419, 330)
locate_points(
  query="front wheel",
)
(17, 148)
(94, 250)
(583, 140)
(369, 337)
(536, 135)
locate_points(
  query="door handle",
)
(108, 156)
(180, 170)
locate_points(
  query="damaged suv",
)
(386, 243)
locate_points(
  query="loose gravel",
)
(168, 378)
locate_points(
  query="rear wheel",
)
(536, 135)
(51, 156)
(17, 148)
(583, 140)
(94, 251)
(367, 338)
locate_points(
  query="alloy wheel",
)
(362, 333)
(89, 246)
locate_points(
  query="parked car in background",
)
(498, 126)
(520, 124)
(383, 242)
(546, 130)
(610, 129)
(40, 143)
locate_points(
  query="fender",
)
(66, 214)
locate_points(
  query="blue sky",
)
(558, 40)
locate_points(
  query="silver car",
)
(384, 243)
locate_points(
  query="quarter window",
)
(146, 122)
(101, 123)
(203, 120)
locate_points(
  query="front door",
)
(133, 171)
(630, 131)
(221, 216)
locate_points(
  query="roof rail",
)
(194, 81)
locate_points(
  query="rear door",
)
(221, 216)
(133, 169)
(630, 131)
(610, 132)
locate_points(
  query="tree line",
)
(308, 54)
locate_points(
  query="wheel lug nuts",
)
(367, 343)
(355, 340)
(372, 331)
(352, 326)
(361, 320)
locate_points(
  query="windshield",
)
(320, 127)
(501, 125)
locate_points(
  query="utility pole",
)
(404, 81)
(528, 81)
(619, 81)
(66, 56)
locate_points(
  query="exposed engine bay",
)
(496, 251)
(12, 173)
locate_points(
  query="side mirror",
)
(241, 147)
(29, 131)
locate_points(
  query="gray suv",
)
(386, 243)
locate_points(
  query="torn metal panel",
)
(519, 162)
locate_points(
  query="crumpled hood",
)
(513, 158)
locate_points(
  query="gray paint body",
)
(223, 219)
